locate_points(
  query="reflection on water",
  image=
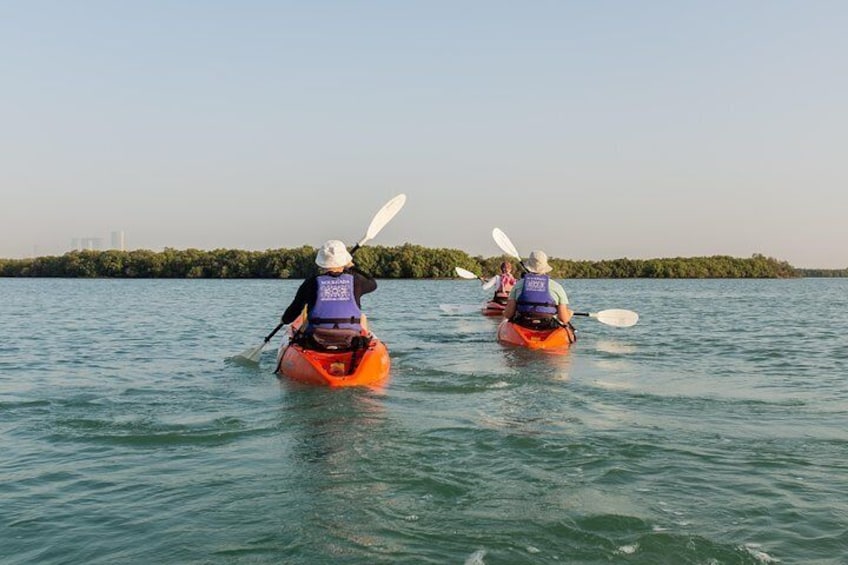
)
(328, 424)
(539, 364)
(330, 461)
(614, 347)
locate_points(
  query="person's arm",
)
(363, 283)
(305, 295)
(564, 313)
(491, 282)
(509, 309)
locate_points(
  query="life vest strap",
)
(528, 303)
(351, 320)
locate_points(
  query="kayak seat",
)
(332, 339)
(537, 322)
(544, 324)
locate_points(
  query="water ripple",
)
(714, 431)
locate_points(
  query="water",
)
(715, 431)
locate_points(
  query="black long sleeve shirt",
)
(307, 294)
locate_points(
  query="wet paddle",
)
(506, 246)
(252, 355)
(381, 218)
(456, 309)
(465, 274)
(613, 317)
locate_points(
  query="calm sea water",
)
(715, 431)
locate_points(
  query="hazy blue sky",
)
(591, 129)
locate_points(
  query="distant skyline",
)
(117, 241)
(591, 130)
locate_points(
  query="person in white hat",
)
(332, 297)
(537, 301)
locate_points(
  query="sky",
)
(591, 130)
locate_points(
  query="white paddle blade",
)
(458, 309)
(251, 355)
(383, 217)
(617, 318)
(465, 274)
(505, 244)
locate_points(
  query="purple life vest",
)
(335, 304)
(535, 297)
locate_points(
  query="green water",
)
(715, 431)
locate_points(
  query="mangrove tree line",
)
(406, 261)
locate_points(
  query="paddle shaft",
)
(377, 223)
(383, 216)
(520, 262)
(273, 333)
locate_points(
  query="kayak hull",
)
(492, 308)
(557, 340)
(362, 367)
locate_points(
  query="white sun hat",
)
(538, 263)
(333, 254)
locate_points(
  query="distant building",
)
(118, 241)
(91, 243)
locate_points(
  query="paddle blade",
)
(459, 309)
(504, 243)
(251, 355)
(465, 274)
(617, 318)
(383, 217)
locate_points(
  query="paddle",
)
(506, 245)
(383, 216)
(613, 317)
(465, 274)
(456, 309)
(254, 353)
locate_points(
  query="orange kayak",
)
(555, 340)
(361, 367)
(492, 308)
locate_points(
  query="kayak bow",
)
(556, 340)
(360, 367)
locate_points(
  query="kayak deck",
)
(492, 308)
(556, 340)
(360, 367)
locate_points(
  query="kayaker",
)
(537, 301)
(503, 283)
(333, 316)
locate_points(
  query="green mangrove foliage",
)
(400, 262)
(823, 273)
